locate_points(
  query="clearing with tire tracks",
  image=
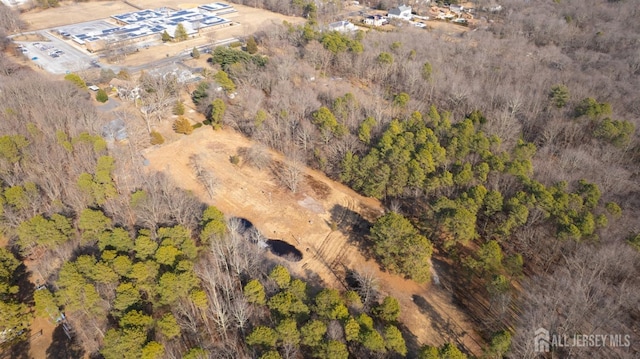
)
(320, 223)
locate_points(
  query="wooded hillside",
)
(510, 154)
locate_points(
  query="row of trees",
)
(327, 324)
(15, 316)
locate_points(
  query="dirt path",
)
(305, 220)
(41, 337)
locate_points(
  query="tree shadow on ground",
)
(62, 347)
(353, 226)
(19, 347)
(447, 329)
(19, 350)
(413, 347)
(25, 287)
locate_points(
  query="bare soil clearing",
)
(446, 28)
(305, 220)
(41, 337)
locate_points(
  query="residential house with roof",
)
(402, 12)
(342, 26)
(375, 20)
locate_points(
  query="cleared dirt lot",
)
(446, 28)
(305, 220)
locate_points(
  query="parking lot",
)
(56, 55)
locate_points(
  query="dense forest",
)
(510, 152)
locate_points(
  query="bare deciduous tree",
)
(290, 174)
(367, 286)
(258, 156)
(205, 176)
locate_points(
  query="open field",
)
(446, 28)
(304, 220)
(73, 12)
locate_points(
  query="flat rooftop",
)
(149, 22)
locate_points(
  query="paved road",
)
(75, 59)
(170, 60)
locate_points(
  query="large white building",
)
(15, 3)
(146, 24)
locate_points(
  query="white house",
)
(374, 20)
(457, 9)
(401, 12)
(342, 26)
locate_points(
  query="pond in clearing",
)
(284, 250)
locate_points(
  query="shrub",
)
(124, 75)
(234, 159)
(182, 125)
(217, 113)
(252, 46)
(101, 96)
(178, 108)
(385, 58)
(559, 95)
(634, 241)
(222, 78)
(165, 36)
(156, 138)
(200, 93)
(76, 79)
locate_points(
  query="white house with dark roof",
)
(402, 12)
(375, 20)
